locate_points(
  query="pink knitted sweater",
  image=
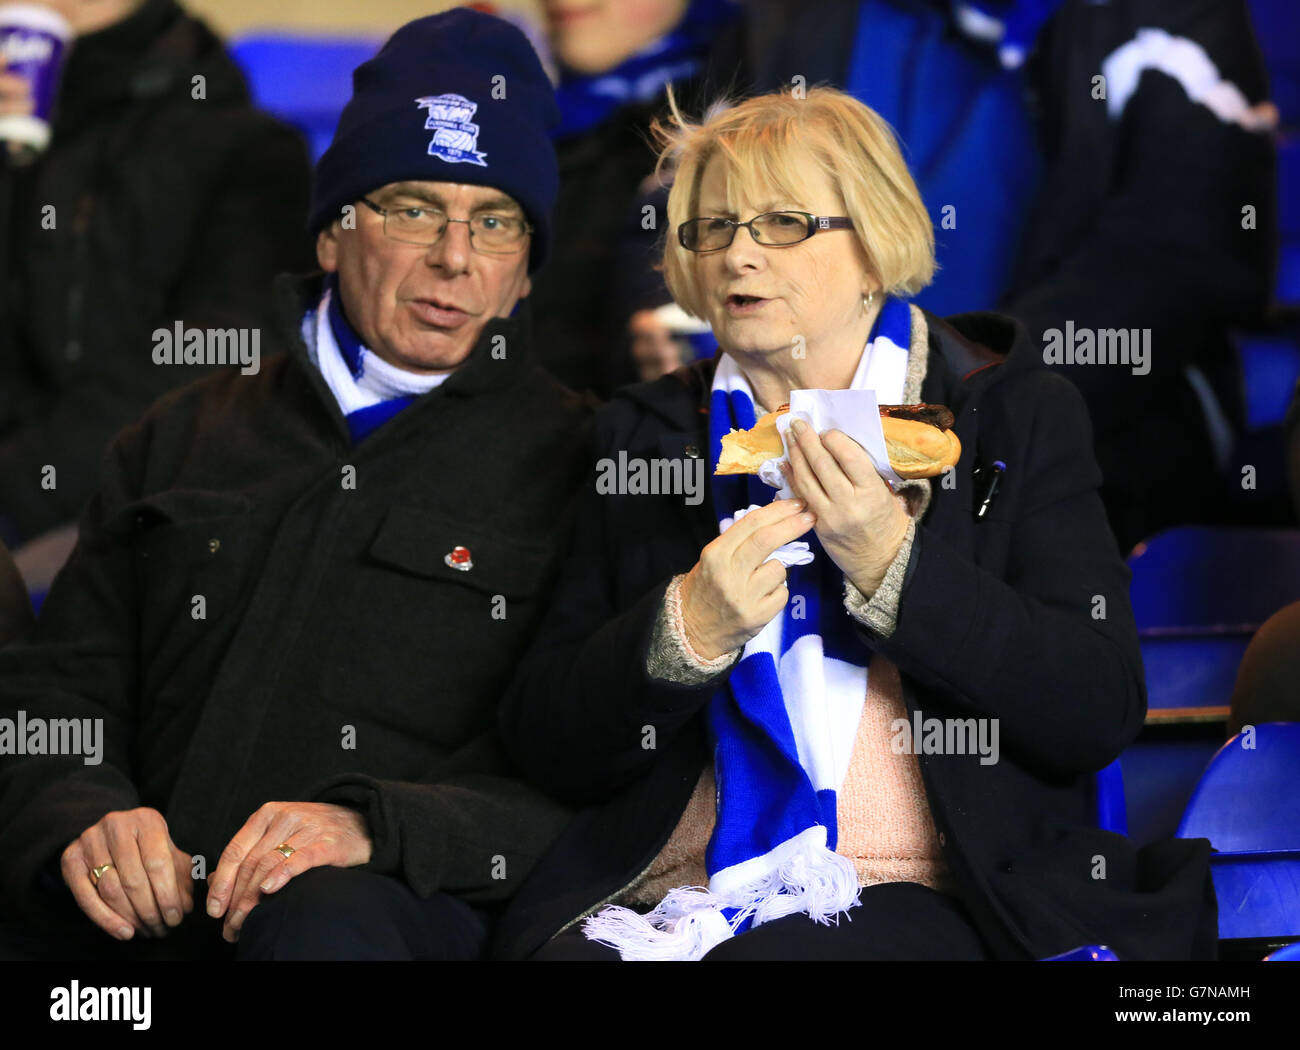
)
(885, 826)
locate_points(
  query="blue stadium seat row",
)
(305, 81)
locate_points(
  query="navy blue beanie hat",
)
(455, 97)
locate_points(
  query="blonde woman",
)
(898, 725)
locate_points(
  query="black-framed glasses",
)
(488, 231)
(775, 228)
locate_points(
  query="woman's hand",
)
(733, 592)
(860, 522)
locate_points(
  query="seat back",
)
(1245, 805)
(1246, 800)
(1199, 580)
(1291, 953)
(305, 81)
(1199, 593)
(1112, 813)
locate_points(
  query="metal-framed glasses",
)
(418, 224)
(775, 228)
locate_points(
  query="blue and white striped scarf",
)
(369, 390)
(782, 728)
(1012, 26)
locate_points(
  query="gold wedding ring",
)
(285, 849)
(97, 873)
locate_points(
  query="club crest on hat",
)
(455, 135)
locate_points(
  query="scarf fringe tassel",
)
(689, 922)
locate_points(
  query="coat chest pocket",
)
(192, 550)
(436, 546)
(427, 627)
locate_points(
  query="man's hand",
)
(148, 883)
(320, 834)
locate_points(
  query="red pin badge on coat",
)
(459, 558)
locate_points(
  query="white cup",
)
(33, 42)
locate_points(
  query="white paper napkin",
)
(796, 552)
(854, 412)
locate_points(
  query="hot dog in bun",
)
(918, 438)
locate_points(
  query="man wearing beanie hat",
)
(298, 593)
(485, 122)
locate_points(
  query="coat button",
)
(214, 545)
(693, 451)
(1008, 867)
(458, 558)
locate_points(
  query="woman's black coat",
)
(1023, 616)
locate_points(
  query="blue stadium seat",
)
(305, 81)
(1291, 953)
(1245, 805)
(1088, 953)
(1198, 596)
(1162, 769)
(1197, 581)
(1270, 365)
(1288, 177)
(1111, 812)
(1288, 194)
(1288, 273)
(1277, 28)
(1191, 672)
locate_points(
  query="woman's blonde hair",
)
(765, 140)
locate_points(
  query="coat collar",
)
(498, 359)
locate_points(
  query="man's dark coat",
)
(261, 611)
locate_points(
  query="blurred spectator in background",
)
(666, 337)
(654, 350)
(1265, 690)
(163, 197)
(614, 58)
(1100, 170)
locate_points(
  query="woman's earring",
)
(867, 301)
